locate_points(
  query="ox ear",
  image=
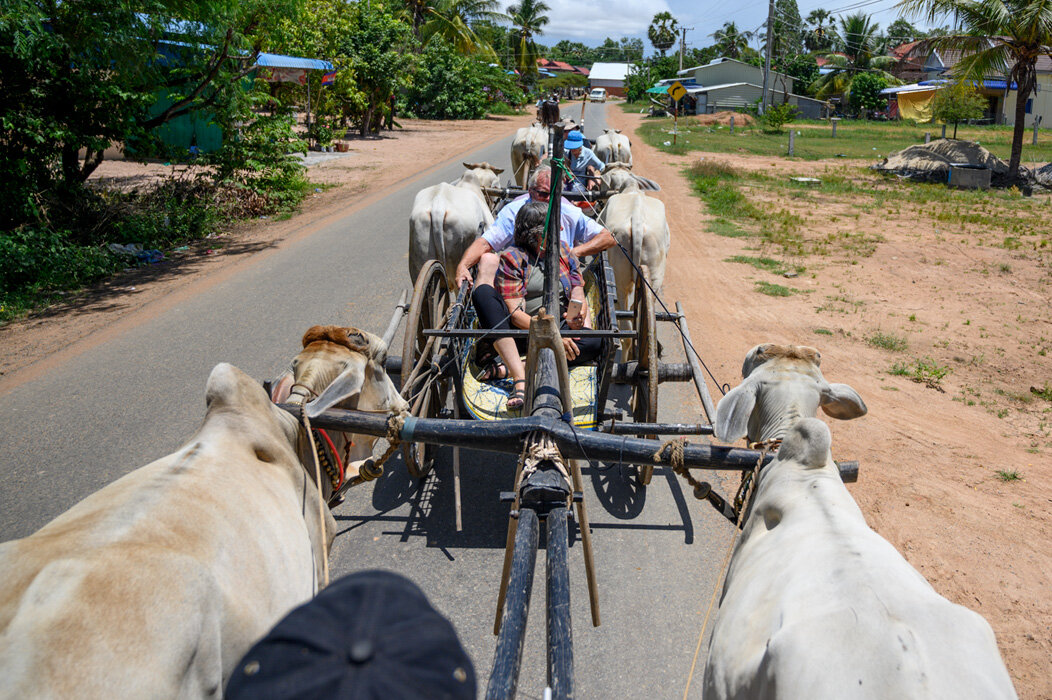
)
(734, 411)
(843, 402)
(346, 385)
(496, 171)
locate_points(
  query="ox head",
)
(618, 176)
(781, 385)
(343, 368)
(485, 174)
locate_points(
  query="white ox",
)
(613, 147)
(527, 150)
(618, 177)
(639, 225)
(815, 603)
(156, 585)
(447, 218)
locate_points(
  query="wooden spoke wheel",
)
(644, 352)
(422, 386)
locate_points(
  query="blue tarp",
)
(274, 60)
(989, 84)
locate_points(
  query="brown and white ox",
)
(527, 150)
(447, 218)
(613, 147)
(618, 177)
(156, 585)
(815, 603)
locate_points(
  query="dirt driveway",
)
(929, 458)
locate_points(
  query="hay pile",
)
(724, 119)
(1043, 176)
(931, 162)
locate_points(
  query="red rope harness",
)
(335, 455)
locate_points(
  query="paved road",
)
(136, 397)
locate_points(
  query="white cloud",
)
(591, 21)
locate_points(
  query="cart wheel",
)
(427, 394)
(644, 351)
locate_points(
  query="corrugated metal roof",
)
(610, 71)
(274, 60)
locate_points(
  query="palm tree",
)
(730, 41)
(527, 19)
(663, 31)
(1000, 37)
(857, 40)
(453, 20)
(817, 38)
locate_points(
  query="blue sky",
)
(590, 21)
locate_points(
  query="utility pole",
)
(683, 43)
(767, 58)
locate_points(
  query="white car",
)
(597, 95)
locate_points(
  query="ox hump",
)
(229, 387)
(807, 443)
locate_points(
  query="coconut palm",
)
(527, 19)
(857, 40)
(453, 20)
(663, 31)
(999, 37)
(730, 41)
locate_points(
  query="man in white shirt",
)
(582, 235)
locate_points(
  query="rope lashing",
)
(374, 469)
(765, 447)
(675, 449)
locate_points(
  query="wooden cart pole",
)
(586, 541)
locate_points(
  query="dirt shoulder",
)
(370, 169)
(929, 458)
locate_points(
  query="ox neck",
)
(301, 444)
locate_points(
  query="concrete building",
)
(729, 84)
(611, 76)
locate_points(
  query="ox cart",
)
(568, 419)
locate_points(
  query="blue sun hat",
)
(575, 139)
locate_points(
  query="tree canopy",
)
(663, 31)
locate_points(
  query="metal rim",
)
(427, 394)
(644, 351)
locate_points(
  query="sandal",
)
(517, 398)
(493, 369)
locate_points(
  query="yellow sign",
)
(676, 91)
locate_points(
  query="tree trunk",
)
(1018, 130)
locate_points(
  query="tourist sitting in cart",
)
(582, 162)
(582, 235)
(518, 294)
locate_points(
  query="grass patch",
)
(823, 331)
(888, 341)
(771, 265)
(814, 140)
(1043, 393)
(1008, 475)
(776, 290)
(727, 229)
(924, 371)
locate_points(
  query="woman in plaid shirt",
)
(518, 295)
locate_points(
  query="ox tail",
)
(438, 225)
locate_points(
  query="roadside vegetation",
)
(857, 139)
